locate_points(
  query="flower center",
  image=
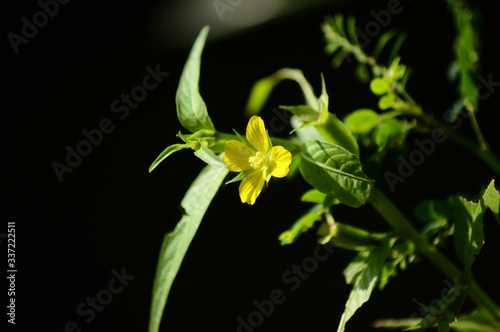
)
(259, 161)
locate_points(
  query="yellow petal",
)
(251, 186)
(236, 156)
(256, 134)
(281, 159)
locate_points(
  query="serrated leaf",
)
(491, 199)
(336, 172)
(469, 237)
(175, 244)
(363, 273)
(361, 121)
(167, 152)
(191, 109)
(304, 223)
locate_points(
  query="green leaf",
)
(379, 86)
(175, 244)
(167, 152)
(491, 199)
(361, 121)
(209, 156)
(475, 322)
(336, 172)
(301, 225)
(469, 237)
(313, 196)
(363, 273)
(191, 109)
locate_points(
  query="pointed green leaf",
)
(175, 244)
(363, 273)
(336, 172)
(191, 109)
(313, 196)
(301, 225)
(167, 152)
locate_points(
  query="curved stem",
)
(402, 225)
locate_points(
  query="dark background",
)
(109, 213)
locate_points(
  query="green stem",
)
(383, 205)
(475, 127)
(485, 156)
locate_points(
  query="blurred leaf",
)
(392, 128)
(379, 86)
(334, 131)
(387, 101)
(303, 112)
(432, 210)
(361, 121)
(175, 244)
(382, 42)
(259, 94)
(362, 72)
(336, 172)
(397, 46)
(191, 109)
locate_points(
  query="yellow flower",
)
(260, 158)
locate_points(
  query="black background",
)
(109, 213)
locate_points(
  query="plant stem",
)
(475, 126)
(383, 205)
(485, 155)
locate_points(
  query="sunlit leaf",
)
(336, 172)
(175, 244)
